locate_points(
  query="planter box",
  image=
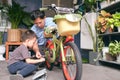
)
(92, 56)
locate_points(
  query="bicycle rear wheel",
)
(72, 67)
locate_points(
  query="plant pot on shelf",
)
(109, 57)
(108, 30)
(104, 51)
(14, 35)
(118, 29)
(118, 58)
(92, 57)
(104, 4)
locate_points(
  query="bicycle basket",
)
(68, 24)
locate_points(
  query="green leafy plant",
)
(15, 13)
(102, 22)
(100, 44)
(114, 48)
(91, 5)
(114, 20)
(27, 21)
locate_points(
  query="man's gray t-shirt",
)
(19, 54)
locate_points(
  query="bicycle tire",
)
(50, 59)
(65, 66)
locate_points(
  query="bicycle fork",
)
(68, 39)
(62, 51)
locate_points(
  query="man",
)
(40, 22)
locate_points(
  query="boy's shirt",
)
(19, 54)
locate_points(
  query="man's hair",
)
(37, 14)
(28, 34)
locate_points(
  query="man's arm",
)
(36, 50)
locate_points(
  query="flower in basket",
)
(102, 22)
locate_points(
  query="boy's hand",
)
(38, 55)
(42, 59)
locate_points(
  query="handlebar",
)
(58, 9)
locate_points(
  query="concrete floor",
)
(90, 72)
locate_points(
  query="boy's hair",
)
(37, 14)
(28, 34)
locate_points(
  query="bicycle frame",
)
(56, 44)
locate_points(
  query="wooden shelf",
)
(107, 34)
(113, 64)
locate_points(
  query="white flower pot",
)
(118, 29)
(104, 51)
(104, 4)
(118, 58)
(2, 51)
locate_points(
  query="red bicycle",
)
(61, 48)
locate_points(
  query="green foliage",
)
(114, 48)
(100, 44)
(89, 5)
(114, 20)
(15, 13)
(27, 21)
(84, 60)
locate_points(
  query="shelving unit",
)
(110, 63)
(112, 7)
(107, 37)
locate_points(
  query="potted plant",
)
(15, 13)
(107, 22)
(114, 49)
(98, 44)
(115, 20)
(102, 23)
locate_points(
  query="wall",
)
(30, 4)
(60, 3)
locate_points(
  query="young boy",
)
(20, 61)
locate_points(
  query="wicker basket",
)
(67, 27)
(14, 35)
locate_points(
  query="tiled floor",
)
(90, 72)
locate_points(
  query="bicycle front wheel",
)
(72, 67)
